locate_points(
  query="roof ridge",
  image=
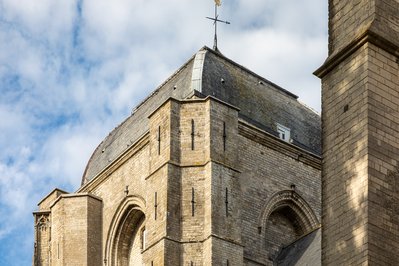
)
(167, 80)
(219, 54)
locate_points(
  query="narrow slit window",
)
(226, 201)
(143, 238)
(224, 136)
(159, 140)
(155, 205)
(192, 202)
(192, 134)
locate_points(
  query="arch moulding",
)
(291, 199)
(130, 205)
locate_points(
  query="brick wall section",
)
(225, 206)
(94, 232)
(197, 112)
(160, 136)
(360, 140)
(155, 256)
(76, 218)
(193, 252)
(172, 252)
(348, 18)
(345, 207)
(383, 145)
(223, 134)
(265, 171)
(164, 180)
(359, 210)
(225, 253)
(192, 227)
(226, 223)
(156, 223)
(57, 235)
(136, 255)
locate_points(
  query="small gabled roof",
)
(45, 203)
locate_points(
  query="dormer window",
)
(283, 132)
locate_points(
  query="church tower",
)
(360, 123)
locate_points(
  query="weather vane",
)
(215, 22)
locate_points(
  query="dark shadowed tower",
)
(360, 105)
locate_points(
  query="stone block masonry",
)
(360, 123)
(200, 205)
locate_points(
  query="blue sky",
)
(72, 70)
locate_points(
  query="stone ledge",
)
(264, 138)
(369, 36)
(75, 195)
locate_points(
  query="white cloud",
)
(38, 19)
(67, 151)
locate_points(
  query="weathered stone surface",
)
(360, 141)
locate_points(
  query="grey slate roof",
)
(261, 103)
(303, 252)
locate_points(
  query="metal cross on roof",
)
(215, 21)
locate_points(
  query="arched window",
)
(283, 227)
(285, 218)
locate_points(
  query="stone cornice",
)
(368, 36)
(45, 212)
(202, 164)
(266, 139)
(167, 238)
(77, 195)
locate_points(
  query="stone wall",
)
(76, 230)
(345, 161)
(202, 180)
(383, 111)
(360, 142)
(267, 169)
